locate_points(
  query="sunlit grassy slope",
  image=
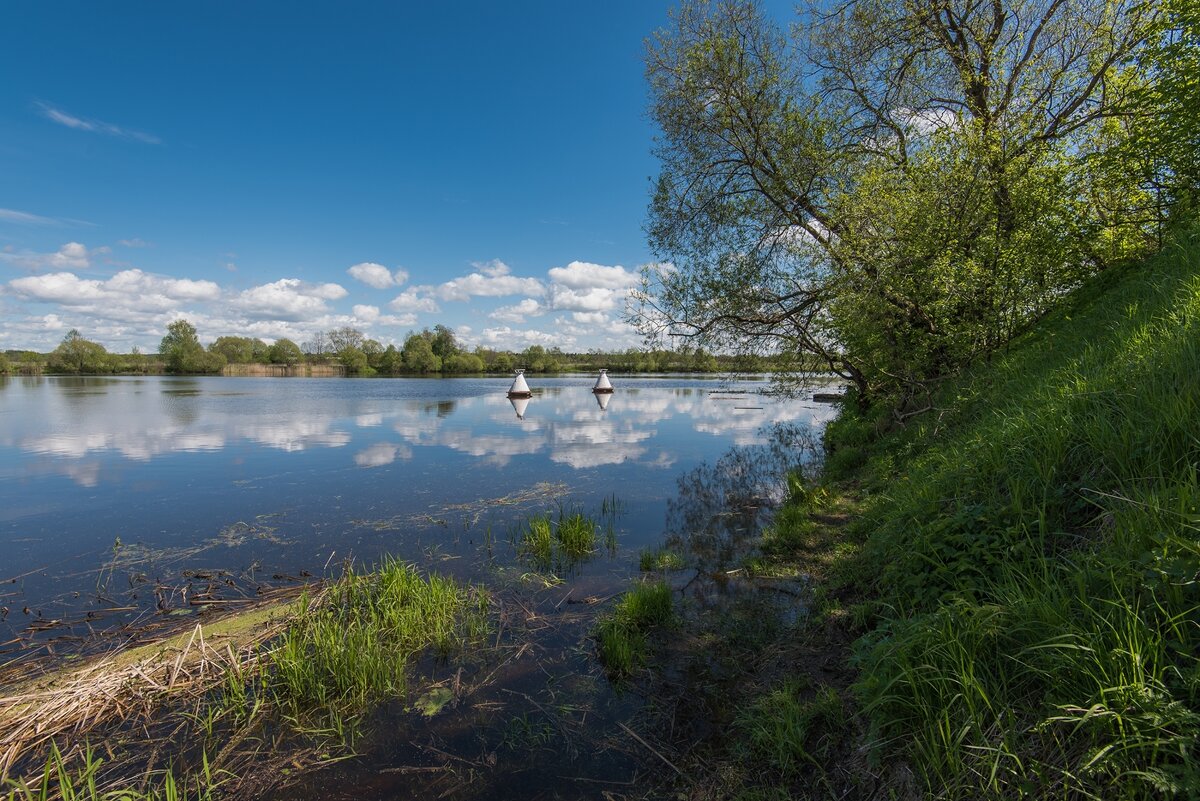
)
(1033, 546)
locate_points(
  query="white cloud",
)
(589, 289)
(493, 269)
(594, 299)
(409, 301)
(518, 312)
(71, 256)
(927, 121)
(398, 320)
(493, 279)
(25, 218)
(585, 275)
(366, 313)
(95, 126)
(366, 316)
(376, 275)
(590, 318)
(133, 243)
(509, 338)
(127, 289)
(287, 299)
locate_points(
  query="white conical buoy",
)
(519, 404)
(603, 398)
(519, 388)
(603, 385)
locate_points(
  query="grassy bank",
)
(1032, 555)
(1005, 590)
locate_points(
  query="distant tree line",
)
(76, 355)
(424, 352)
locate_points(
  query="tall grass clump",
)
(355, 647)
(621, 634)
(1037, 550)
(551, 543)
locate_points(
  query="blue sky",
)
(275, 169)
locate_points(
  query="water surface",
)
(126, 500)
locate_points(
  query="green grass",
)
(1033, 553)
(556, 544)
(577, 535)
(80, 782)
(785, 730)
(659, 560)
(354, 649)
(537, 543)
(621, 634)
(332, 663)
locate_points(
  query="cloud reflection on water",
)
(80, 428)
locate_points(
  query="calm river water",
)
(126, 499)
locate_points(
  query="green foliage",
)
(1160, 147)
(463, 363)
(443, 343)
(560, 543)
(183, 353)
(537, 359)
(890, 191)
(419, 356)
(577, 534)
(78, 355)
(240, 350)
(622, 647)
(355, 361)
(538, 541)
(621, 634)
(334, 659)
(354, 648)
(391, 361)
(1034, 553)
(284, 351)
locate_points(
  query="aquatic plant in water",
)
(621, 634)
(564, 542)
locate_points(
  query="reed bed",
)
(296, 676)
(122, 686)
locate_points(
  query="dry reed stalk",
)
(113, 689)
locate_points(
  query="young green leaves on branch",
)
(895, 188)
